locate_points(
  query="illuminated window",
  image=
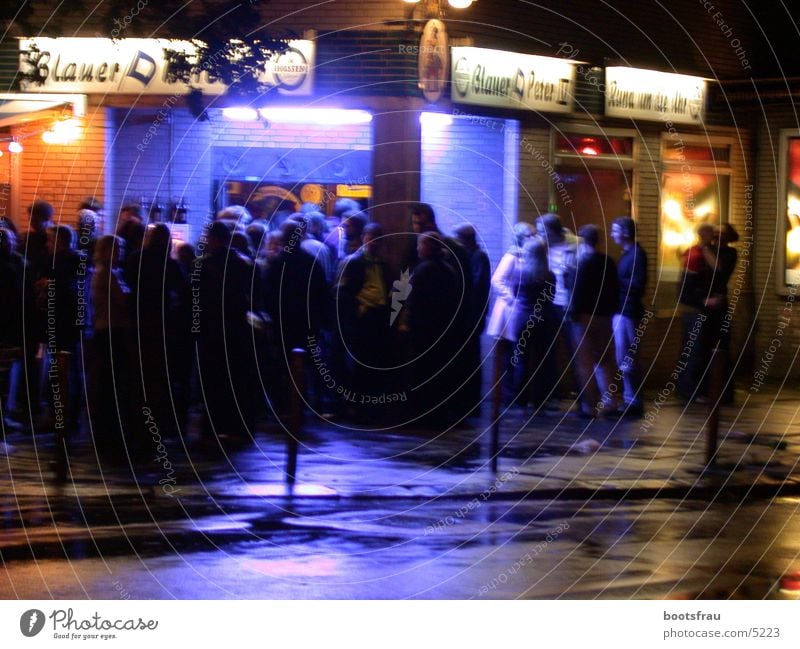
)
(594, 145)
(695, 190)
(789, 210)
(592, 178)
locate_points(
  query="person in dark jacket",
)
(130, 227)
(160, 302)
(725, 258)
(456, 256)
(632, 275)
(432, 307)
(296, 299)
(12, 291)
(224, 336)
(13, 308)
(32, 245)
(362, 310)
(699, 304)
(595, 292)
(57, 294)
(481, 271)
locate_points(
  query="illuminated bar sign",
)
(509, 80)
(137, 66)
(654, 96)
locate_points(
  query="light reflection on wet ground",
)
(313, 549)
(576, 510)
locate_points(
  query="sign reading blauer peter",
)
(510, 80)
(656, 96)
(137, 66)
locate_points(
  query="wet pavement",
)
(614, 509)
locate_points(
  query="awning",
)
(18, 108)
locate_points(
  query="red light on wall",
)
(791, 581)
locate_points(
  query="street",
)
(602, 510)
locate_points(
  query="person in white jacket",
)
(505, 286)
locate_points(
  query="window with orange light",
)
(695, 190)
(592, 178)
(792, 207)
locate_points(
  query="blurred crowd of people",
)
(110, 333)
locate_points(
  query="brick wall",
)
(63, 175)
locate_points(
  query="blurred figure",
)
(352, 227)
(33, 243)
(322, 254)
(594, 300)
(562, 256)
(453, 254)
(12, 291)
(506, 284)
(725, 258)
(256, 233)
(93, 205)
(296, 298)
(109, 406)
(362, 313)
(532, 330)
(32, 246)
(186, 258)
(335, 237)
(432, 304)
(317, 226)
(160, 302)
(632, 276)
(13, 309)
(87, 235)
(480, 269)
(235, 216)
(699, 303)
(57, 295)
(7, 223)
(130, 228)
(224, 336)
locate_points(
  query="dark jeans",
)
(695, 355)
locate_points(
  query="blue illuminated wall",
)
(469, 174)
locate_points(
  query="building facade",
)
(376, 126)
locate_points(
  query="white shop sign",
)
(137, 66)
(510, 80)
(654, 96)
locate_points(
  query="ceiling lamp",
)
(14, 147)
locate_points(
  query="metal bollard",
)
(497, 399)
(297, 388)
(718, 357)
(62, 419)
